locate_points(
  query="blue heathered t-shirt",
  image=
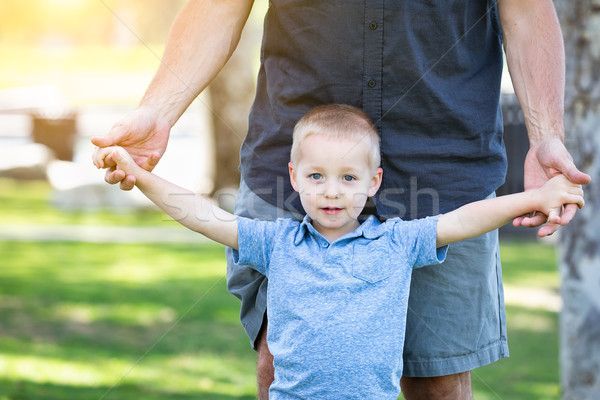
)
(337, 311)
(428, 74)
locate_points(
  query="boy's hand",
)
(557, 192)
(115, 157)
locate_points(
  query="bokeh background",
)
(103, 297)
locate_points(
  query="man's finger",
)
(103, 141)
(535, 220)
(150, 162)
(547, 229)
(569, 170)
(568, 214)
(517, 221)
(117, 133)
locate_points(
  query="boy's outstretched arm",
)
(483, 216)
(186, 207)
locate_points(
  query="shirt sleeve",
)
(255, 243)
(418, 240)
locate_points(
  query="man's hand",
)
(143, 136)
(544, 161)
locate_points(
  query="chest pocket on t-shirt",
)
(370, 261)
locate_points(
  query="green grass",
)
(28, 202)
(530, 264)
(532, 371)
(77, 318)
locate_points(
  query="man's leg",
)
(264, 364)
(455, 320)
(449, 387)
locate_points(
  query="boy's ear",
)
(375, 182)
(293, 176)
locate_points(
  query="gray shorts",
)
(456, 320)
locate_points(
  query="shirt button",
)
(325, 244)
(371, 83)
(373, 25)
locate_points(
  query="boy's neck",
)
(334, 234)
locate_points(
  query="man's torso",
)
(427, 73)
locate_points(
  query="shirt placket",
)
(373, 60)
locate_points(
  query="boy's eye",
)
(348, 178)
(315, 176)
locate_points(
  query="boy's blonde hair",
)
(338, 121)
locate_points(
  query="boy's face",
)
(334, 179)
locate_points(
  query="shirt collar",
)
(305, 226)
(371, 228)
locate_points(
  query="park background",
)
(103, 297)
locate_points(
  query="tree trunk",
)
(579, 247)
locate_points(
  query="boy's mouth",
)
(331, 210)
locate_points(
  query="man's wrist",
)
(539, 134)
(165, 110)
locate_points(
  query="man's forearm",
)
(536, 60)
(202, 38)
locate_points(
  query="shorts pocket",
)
(370, 261)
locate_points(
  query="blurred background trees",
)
(580, 244)
(104, 52)
(86, 22)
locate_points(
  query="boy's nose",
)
(332, 191)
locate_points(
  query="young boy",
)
(338, 287)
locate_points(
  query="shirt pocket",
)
(370, 261)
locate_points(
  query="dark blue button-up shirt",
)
(426, 71)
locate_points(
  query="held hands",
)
(143, 136)
(116, 158)
(545, 160)
(553, 195)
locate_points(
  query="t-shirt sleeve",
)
(255, 243)
(418, 240)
